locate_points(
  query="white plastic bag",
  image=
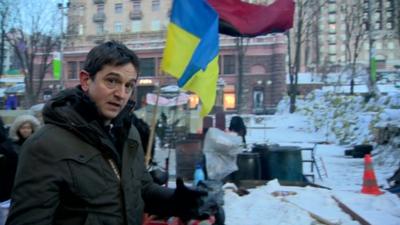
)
(221, 150)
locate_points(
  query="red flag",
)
(239, 18)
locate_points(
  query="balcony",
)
(97, 39)
(136, 15)
(98, 1)
(99, 17)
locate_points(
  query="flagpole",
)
(153, 126)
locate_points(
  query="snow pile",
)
(351, 119)
(276, 204)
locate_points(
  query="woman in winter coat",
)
(23, 127)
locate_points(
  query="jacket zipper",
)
(114, 168)
(117, 174)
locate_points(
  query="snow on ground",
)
(342, 174)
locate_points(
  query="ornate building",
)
(141, 25)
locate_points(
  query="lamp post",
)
(62, 9)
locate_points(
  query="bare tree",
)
(396, 7)
(306, 18)
(4, 11)
(33, 38)
(355, 17)
(240, 59)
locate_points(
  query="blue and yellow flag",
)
(192, 47)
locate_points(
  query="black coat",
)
(73, 171)
(8, 166)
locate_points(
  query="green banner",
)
(57, 69)
(373, 69)
(57, 65)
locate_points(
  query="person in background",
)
(86, 164)
(237, 125)
(8, 163)
(23, 127)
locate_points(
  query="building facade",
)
(142, 25)
(333, 29)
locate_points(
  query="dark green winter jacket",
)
(75, 171)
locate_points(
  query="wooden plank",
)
(318, 218)
(349, 211)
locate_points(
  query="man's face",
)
(111, 88)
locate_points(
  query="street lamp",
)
(62, 9)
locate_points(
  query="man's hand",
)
(188, 201)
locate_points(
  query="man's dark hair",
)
(109, 53)
(237, 125)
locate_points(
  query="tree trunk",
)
(292, 108)
(239, 46)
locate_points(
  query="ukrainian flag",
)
(191, 51)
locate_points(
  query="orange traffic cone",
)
(369, 181)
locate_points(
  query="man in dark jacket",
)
(86, 165)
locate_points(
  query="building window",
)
(229, 64)
(72, 70)
(193, 101)
(229, 101)
(229, 97)
(118, 27)
(136, 26)
(136, 5)
(99, 28)
(118, 8)
(376, 16)
(155, 25)
(332, 18)
(377, 25)
(332, 38)
(81, 65)
(332, 8)
(80, 29)
(378, 45)
(147, 67)
(389, 4)
(258, 99)
(390, 45)
(332, 58)
(100, 8)
(81, 11)
(155, 5)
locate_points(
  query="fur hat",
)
(19, 121)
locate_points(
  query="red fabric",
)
(252, 19)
